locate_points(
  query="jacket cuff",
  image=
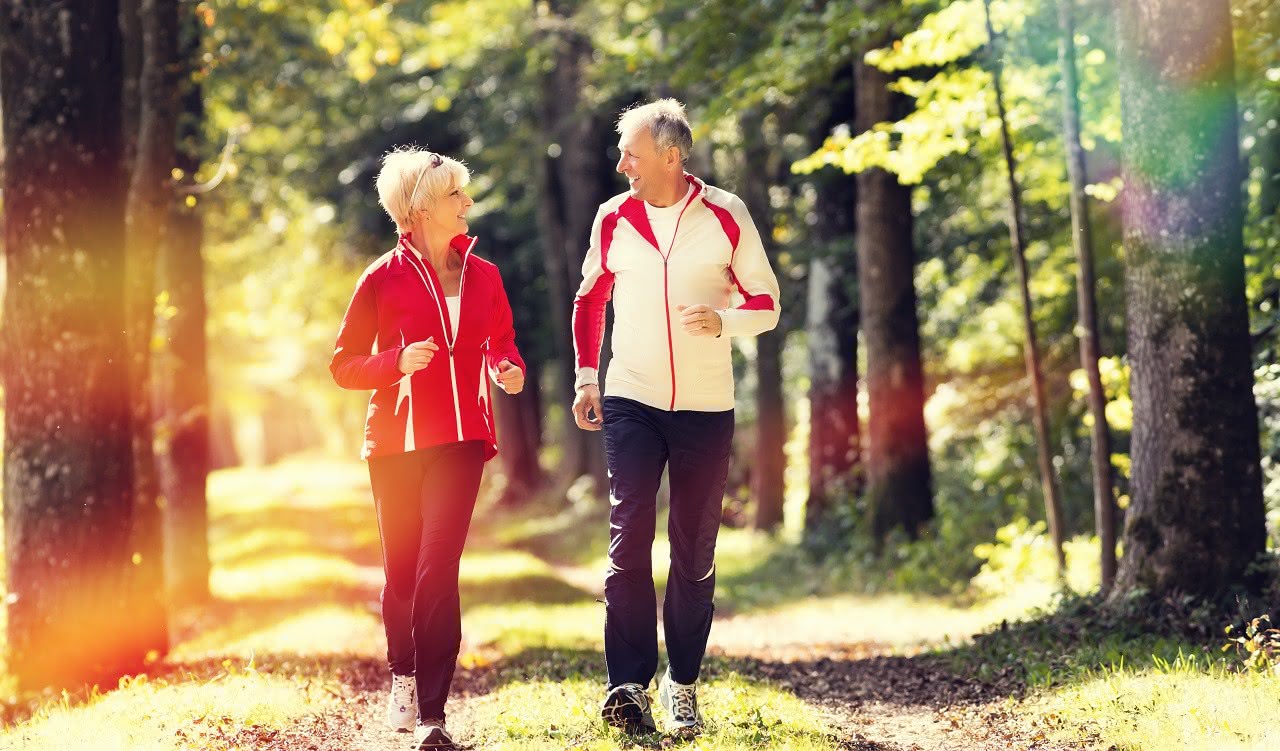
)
(586, 377)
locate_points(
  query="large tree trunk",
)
(769, 463)
(181, 368)
(519, 423)
(1031, 351)
(1104, 505)
(898, 483)
(146, 215)
(835, 436)
(570, 193)
(1196, 520)
(68, 474)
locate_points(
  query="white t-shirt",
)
(663, 219)
(453, 303)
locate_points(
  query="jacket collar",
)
(632, 209)
(464, 244)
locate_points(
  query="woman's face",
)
(448, 215)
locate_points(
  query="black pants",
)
(424, 500)
(639, 441)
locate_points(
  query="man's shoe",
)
(402, 704)
(430, 734)
(681, 703)
(626, 707)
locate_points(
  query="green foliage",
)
(1258, 646)
(326, 86)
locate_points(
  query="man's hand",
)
(700, 320)
(416, 356)
(586, 402)
(510, 378)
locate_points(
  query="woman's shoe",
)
(402, 704)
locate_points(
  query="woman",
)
(428, 321)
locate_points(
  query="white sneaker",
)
(402, 704)
(681, 703)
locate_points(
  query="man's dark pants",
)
(639, 441)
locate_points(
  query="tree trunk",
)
(570, 193)
(1052, 504)
(519, 437)
(1104, 505)
(68, 474)
(1196, 520)
(181, 368)
(760, 170)
(131, 104)
(147, 213)
(835, 436)
(898, 483)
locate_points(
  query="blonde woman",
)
(428, 325)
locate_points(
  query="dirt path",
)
(872, 696)
(874, 700)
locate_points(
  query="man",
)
(674, 254)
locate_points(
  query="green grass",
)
(146, 715)
(558, 714)
(1111, 675)
(1190, 704)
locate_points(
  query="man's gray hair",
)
(666, 122)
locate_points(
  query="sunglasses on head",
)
(436, 161)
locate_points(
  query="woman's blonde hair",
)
(412, 179)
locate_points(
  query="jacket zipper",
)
(666, 299)
(444, 326)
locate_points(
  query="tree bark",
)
(181, 368)
(1031, 352)
(68, 474)
(1104, 505)
(835, 435)
(770, 463)
(898, 482)
(571, 190)
(1196, 520)
(147, 212)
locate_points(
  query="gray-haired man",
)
(685, 268)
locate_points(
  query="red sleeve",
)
(502, 334)
(354, 366)
(593, 294)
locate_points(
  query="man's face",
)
(641, 163)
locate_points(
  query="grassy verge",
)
(1115, 676)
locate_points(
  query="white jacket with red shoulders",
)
(399, 301)
(716, 258)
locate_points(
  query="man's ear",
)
(672, 156)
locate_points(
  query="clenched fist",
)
(510, 378)
(700, 320)
(416, 356)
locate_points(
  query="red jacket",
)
(399, 301)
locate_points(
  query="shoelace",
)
(402, 689)
(684, 703)
(636, 694)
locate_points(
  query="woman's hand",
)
(416, 356)
(510, 378)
